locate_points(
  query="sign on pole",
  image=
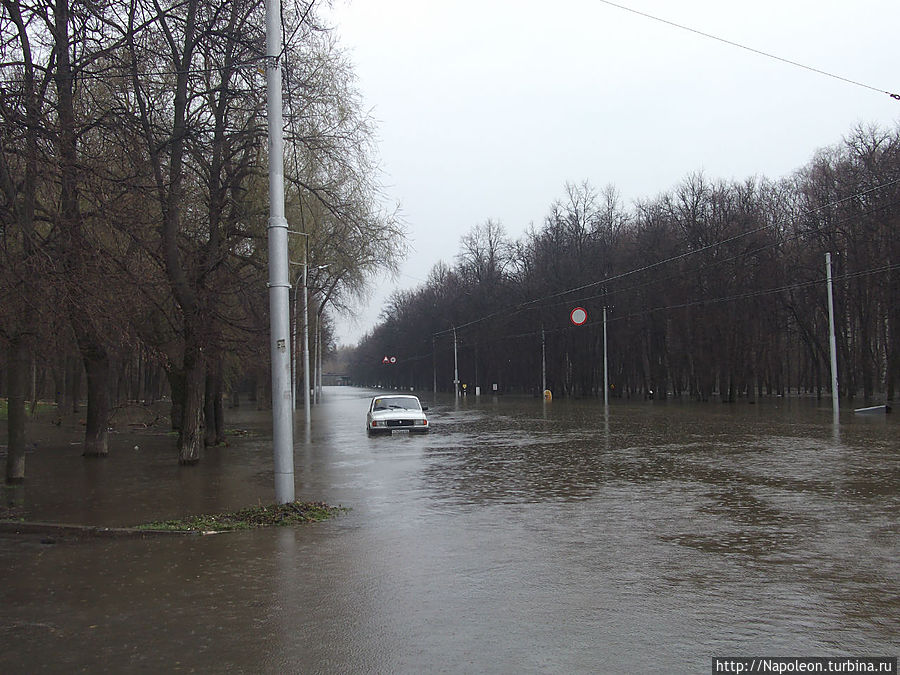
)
(578, 316)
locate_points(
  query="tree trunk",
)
(220, 413)
(190, 438)
(15, 455)
(209, 412)
(96, 431)
(59, 380)
(176, 389)
(73, 392)
(213, 411)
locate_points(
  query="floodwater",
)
(517, 536)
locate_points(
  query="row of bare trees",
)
(133, 199)
(713, 288)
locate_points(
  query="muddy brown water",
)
(517, 536)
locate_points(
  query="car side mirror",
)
(424, 408)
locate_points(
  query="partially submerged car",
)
(396, 413)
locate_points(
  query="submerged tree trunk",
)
(190, 437)
(176, 388)
(60, 385)
(214, 411)
(73, 377)
(96, 431)
(15, 455)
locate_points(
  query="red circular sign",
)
(578, 316)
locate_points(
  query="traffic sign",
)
(578, 316)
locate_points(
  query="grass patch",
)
(294, 513)
(42, 406)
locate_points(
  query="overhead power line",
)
(746, 254)
(645, 268)
(719, 300)
(768, 55)
(684, 305)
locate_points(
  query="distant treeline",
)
(713, 288)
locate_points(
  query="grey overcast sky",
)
(486, 108)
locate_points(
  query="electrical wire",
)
(528, 303)
(768, 55)
(739, 256)
(693, 303)
(684, 305)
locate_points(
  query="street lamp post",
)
(279, 281)
(317, 361)
(455, 366)
(302, 286)
(835, 404)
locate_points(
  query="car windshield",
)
(396, 403)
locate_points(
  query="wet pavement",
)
(517, 536)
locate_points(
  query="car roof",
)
(395, 396)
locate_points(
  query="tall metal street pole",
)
(455, 366)
(605, 363)
(279, 283)
(306, 407)
(543, 362)
(294, 347)
(834, 372)
(316, 363)
(318, 359)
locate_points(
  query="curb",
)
(84, 531)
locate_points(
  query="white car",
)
(396, 412)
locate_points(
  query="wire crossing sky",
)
(751, 49)
(658, 263)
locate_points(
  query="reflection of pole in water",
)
(283, 613)
(835, 406)
(606, 427)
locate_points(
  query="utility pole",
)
(605, 363)
(434, 366)
(835, 406)
(543, 363)
(279, 283)
(455, 366)
(306, 407)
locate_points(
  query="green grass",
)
(294, 513)
(42, 406)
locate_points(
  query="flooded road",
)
(517, 536)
